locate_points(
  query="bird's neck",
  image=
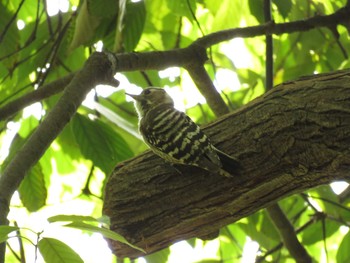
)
(145, 108)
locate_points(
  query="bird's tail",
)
(230, 165)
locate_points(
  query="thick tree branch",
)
(205, 85)
(292, 138)
(277, 216)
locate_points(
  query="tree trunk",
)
(295, 137)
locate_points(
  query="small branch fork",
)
(100, 69)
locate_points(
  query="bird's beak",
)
(135, 97)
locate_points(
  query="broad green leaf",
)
(123, 123)
(32, 190)
(100, 143)
(68, 143)
(139, 80)
(228, 15)
(103, 231)
(103, 8)
(36, 54)
(327, 200)
(201, 114)
(160, 256)
(183, 8)
(85, 27)
(254, 230)
(283, 6)
(5, 230)
(257, 10)
(134, 21)
(213, 6)
(55, 251)
(16, 145)
(343, 254)
(27, 126)
(315, 233)
(268, 228)
(232, 240)
(73, 218)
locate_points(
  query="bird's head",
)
(149, 99)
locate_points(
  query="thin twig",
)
(288, 234)
(21, 247)
(268, 48)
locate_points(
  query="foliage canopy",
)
(41, 44)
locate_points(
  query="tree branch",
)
(288, 235)
(204, 84)
(268, 48)
(340, 17)
(37, 95)
(292, 138)
(181, 57)
(277, 216)
(97, 70)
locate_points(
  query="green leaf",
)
(37, 52)
(183, 8)
(328, 201)
(100, 143)
(139, 80)
(27, 126)
(343, 254)
(103, 8)
(283, 6)
(72, 218)
(257, 10)
(55, 251)
(9, 41)
(134, 21)
(85, 27)
(103, 231)
(228, 15)
(213, 6)
(5, 230)
(16, 144)
(232, 240)
(314, 233)
(254, 230)
(160, 256)
(32, 190)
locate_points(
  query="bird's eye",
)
(146, 92)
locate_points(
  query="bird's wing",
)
(172, 133)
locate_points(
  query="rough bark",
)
(293, 138)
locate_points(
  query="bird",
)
(175, 137)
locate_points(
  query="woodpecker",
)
(173, 136)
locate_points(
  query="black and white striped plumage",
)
(172, 135)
